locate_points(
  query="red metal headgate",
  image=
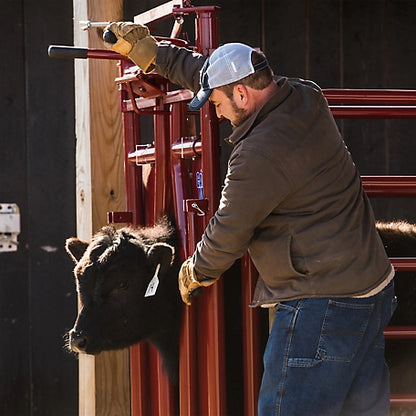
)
(177, 170)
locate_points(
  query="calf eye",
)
(123, 285)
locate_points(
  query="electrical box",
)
(9, 226)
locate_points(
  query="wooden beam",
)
(104, 386)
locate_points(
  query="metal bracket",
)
(115, 217)
(197, 206)
(142, 150)
(9, 226)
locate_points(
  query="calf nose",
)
(78, 341)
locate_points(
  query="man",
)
(293, 198)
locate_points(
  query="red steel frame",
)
(164, 186)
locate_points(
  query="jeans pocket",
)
(343, 328)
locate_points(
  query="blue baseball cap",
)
(227, 64)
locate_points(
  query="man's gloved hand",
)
(188, 281)
(132, 40)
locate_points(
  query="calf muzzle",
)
(78, 341)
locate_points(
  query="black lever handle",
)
(68, 52)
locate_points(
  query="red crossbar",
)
(370, 96)
(356, 111)
(389, 186)
(403, 400)
(400, 332)
(387, 103)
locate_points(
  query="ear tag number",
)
(153, 284)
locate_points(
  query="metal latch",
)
(197, 206)
(9, 226)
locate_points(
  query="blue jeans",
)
(326, 357)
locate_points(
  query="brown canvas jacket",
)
(292, 197)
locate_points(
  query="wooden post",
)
(104, 387)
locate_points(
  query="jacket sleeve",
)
(254, 187)
(179, 65)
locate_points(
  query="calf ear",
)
(161, 253)
(76, 248)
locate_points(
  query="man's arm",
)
(179, 65)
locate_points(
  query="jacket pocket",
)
(277, 259)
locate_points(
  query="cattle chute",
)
(177, 170)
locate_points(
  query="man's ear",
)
(240, 94)
(76, 248)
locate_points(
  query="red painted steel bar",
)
(181, 190)
(400, 332)
(403, 264)
(138, 353)
(370, 96)
(389, 186)
(403, 400)
(356, 111)
(144, 105)
(160, 195)
(380, 97)
(211, 317)
(185, 147)
(251, 337)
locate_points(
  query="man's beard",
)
(241, 115)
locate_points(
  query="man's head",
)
(227, 75)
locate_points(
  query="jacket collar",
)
(241, 131)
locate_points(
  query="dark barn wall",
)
(37, 299)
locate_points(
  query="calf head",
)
(127, 289)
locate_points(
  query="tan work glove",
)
(132, 40)
(188, 281)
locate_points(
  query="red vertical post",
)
(179, 173)
(138, 353)
(163, 189)
(251, 338)
(163, 398)
(139, 387)
(188, 374)
(213, 394)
